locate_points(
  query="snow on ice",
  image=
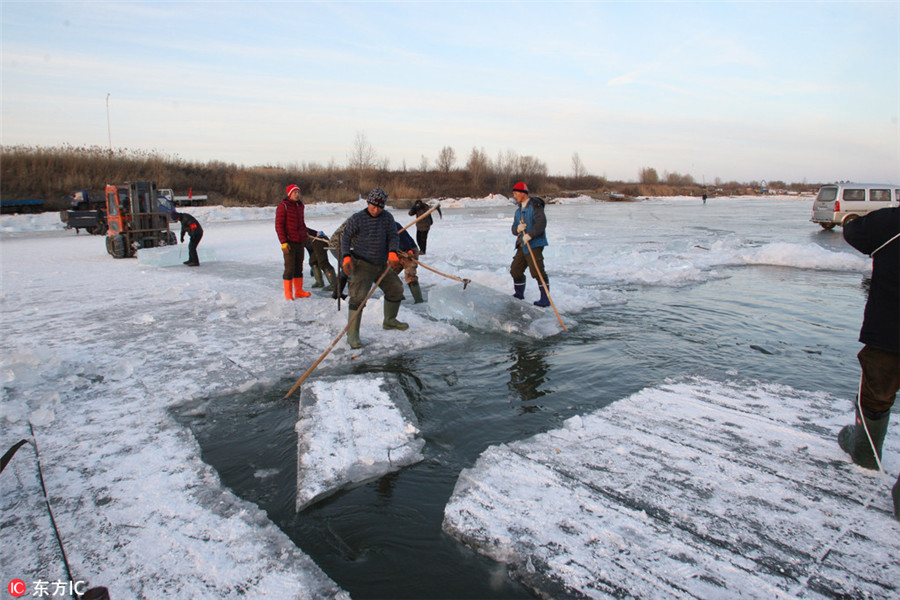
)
(337, 448)
(694, 489)
(96, 352)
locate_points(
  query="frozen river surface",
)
(99, 354)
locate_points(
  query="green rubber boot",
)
(390, 317)
(317, 273)
(330, 276)
(416, 292)
(854, 441)
(353, 332)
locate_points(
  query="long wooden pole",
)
(355, 316)
(350, 322)
(544, 283)
(465, 282)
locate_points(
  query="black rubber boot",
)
(896, 494)
(545, 300)
(854, 441)
(520, 289)
(390, 317)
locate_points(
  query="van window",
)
(852, 195)
(827, 194)
(880, 195)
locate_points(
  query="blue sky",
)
(746, 91)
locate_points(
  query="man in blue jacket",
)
(369, 242)
(529, 226)
(878, 235)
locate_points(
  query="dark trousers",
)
(421, 239)
(318, 254)
(880, 380)
(522, 260)
(192, 246)
(362, 277)
(293, 260)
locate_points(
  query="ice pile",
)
(167, 256)
(352, 430)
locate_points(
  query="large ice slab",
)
(692, 490)
(484, 308)
(168, 256)
(351, 430)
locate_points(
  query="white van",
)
(839, 203)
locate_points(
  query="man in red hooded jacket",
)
(291, 229)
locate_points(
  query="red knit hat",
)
(290, 189)
(520, 187)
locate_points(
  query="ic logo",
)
(16, 587)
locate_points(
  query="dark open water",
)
(383, 539)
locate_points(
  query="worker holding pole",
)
(529, 226)
(369, 245)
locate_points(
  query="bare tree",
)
(649, 175)
(578, 170)
(505, 167)
(531, 169)
(362, 157)
(446, 159)
(423, 166)
(478, 166)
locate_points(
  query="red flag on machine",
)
(190, 193)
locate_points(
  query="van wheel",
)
(848, 218)
(827, 226)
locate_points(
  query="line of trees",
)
(52, 173)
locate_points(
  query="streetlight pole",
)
(108, 129)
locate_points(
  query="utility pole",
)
(108, 129)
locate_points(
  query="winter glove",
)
(347, 266)
(526, 238)
(521, 228)
(284, 248)
(322, 235)
(393, 258)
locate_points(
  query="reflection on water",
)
(527, 375)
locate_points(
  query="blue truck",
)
(85, 213)
(31, 205)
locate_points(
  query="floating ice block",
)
(484, 308)
(351, 430)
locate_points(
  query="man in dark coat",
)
(190, 226)
(291, 229)
(369, 242)
(423, 226)
(408, 255)
(317, 244)
(878, 235)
